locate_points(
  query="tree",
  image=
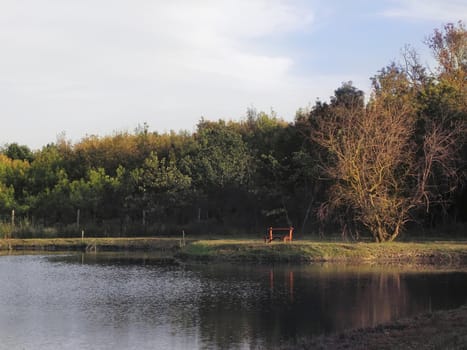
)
(449, 46)
(13, 180)
(378, 171)
(18, 152)
(221, 157)
(53, 202)
(348, 96)
(442, 107)
(367, 150)
(270, 144)
(7, 198)
(161, 185)
(44, 170)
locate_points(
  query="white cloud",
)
(105, 61)
(434, 10)
(143, 38)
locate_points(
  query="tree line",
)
(363, 167)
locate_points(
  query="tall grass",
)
(6, 229)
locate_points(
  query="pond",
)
(132, 301)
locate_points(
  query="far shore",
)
(256, 251)
(90, 244)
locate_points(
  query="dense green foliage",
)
(242, 176)
(227, 176)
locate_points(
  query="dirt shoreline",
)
(445, 329)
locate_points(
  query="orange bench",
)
(285, 238)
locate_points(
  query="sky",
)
(74, 68)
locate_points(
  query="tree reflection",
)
(214, 306)
(266, 305)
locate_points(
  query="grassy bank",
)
(254, 250)
(91, 244)
(311, 251)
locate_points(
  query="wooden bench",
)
(285, 238)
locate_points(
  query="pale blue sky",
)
(87, 67)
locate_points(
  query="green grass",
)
(312, 251)
(255, 250)
(90, 244)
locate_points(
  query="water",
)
(118, 301)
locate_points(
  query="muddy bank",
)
(438, 330)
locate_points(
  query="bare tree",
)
(378, 170)
(438, 170)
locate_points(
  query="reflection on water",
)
(138, 301)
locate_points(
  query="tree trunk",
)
(307, 215)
